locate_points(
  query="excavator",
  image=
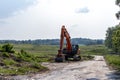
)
(70, 51)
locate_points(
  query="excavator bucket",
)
(59, 57)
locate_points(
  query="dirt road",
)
(86, 70)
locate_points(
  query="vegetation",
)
(14, 63)
(116, 40)
(7, 48)
(94, 50)
(112, 36)
(112, 42)
(83, 41)
(108, 40)
(113, 61)
(27, 57)
(118, 13)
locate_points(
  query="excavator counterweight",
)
(70, 51)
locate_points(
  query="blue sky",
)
(8, 7)
(42, 19)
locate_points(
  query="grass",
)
(9, 61)
(113, 61)
(48, 52)
(28, 61)
(20, 62)
(94, 50)
(44, 52)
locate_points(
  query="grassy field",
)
(52, 49)
(48, 52)
(94, 50)
(44, 53)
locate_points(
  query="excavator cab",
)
(73, 52)
(70, 51)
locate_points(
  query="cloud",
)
(8, 7)
(82, 10)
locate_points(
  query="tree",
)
(108, 40)
(116, 39)
(117, 2)
(113, 34)
(118, 13)
(112, 40)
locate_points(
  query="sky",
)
(43, 19)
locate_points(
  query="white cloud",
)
(82, 10)
(44, 19)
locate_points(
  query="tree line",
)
(83, 41)
(112, 40)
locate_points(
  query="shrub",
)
(8, 48)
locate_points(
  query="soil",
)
(96, 69)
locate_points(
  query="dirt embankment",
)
(86, 70)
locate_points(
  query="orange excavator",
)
(70, 51)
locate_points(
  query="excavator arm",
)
(64, 34)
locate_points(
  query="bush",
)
(24, 56)
(8, 48)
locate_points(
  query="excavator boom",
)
(64, 33)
